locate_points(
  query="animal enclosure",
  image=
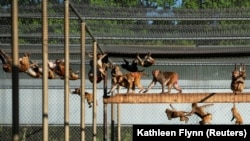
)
(202, 49)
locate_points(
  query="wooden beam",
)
(179, 98)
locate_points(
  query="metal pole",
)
(105, 129)
(112, 121)
(15, 75)
(94, 89)
(66, 78)
(118, 122)
(83, 81)
(45, 69)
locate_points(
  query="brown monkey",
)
(101, 68)
(91, 76)
(238, 79)
(147, 61)
(116, 75)
(88, 96)
(115, 72)
(6, 61)
(34, 71)
(24, 63)
(199, 111)
(236, 115)
(129, 80)
(51, 70)
(59, 68)
(73, 75)
(51, 74)
(169, 79)
(173, 113)
(101, 63)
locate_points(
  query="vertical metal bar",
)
(112, 121)
(105, 132)
(94, 89)
(118, 123)
(45, 69)
(15, 75)
(66, 78)
(105, 129)
(83, 34)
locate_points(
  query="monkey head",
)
(235, 74)
(194, 104)
(155, 73)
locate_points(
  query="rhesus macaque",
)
(147, 61)
(91, 76)
(173, 113)
(236, 115)
(102, 65)
(199, 111)
(23, 65)
(131, 67)
(6, 61)
(73, 75)
(34, 71)
(128, 80)
(115, 71)
(169, 79)
(238, 79)
(88, 96)
(116, 75)
(51, 74)
(59, 68)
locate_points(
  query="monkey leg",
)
(113, 87)
(177, 87)
(206, 119)
(184, 118)
(238, 122)
(138, 84)
(90, 105)
(140, 60)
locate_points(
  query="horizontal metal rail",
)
(178, 98)
(135, 38)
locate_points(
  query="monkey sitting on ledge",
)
(238, 79)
